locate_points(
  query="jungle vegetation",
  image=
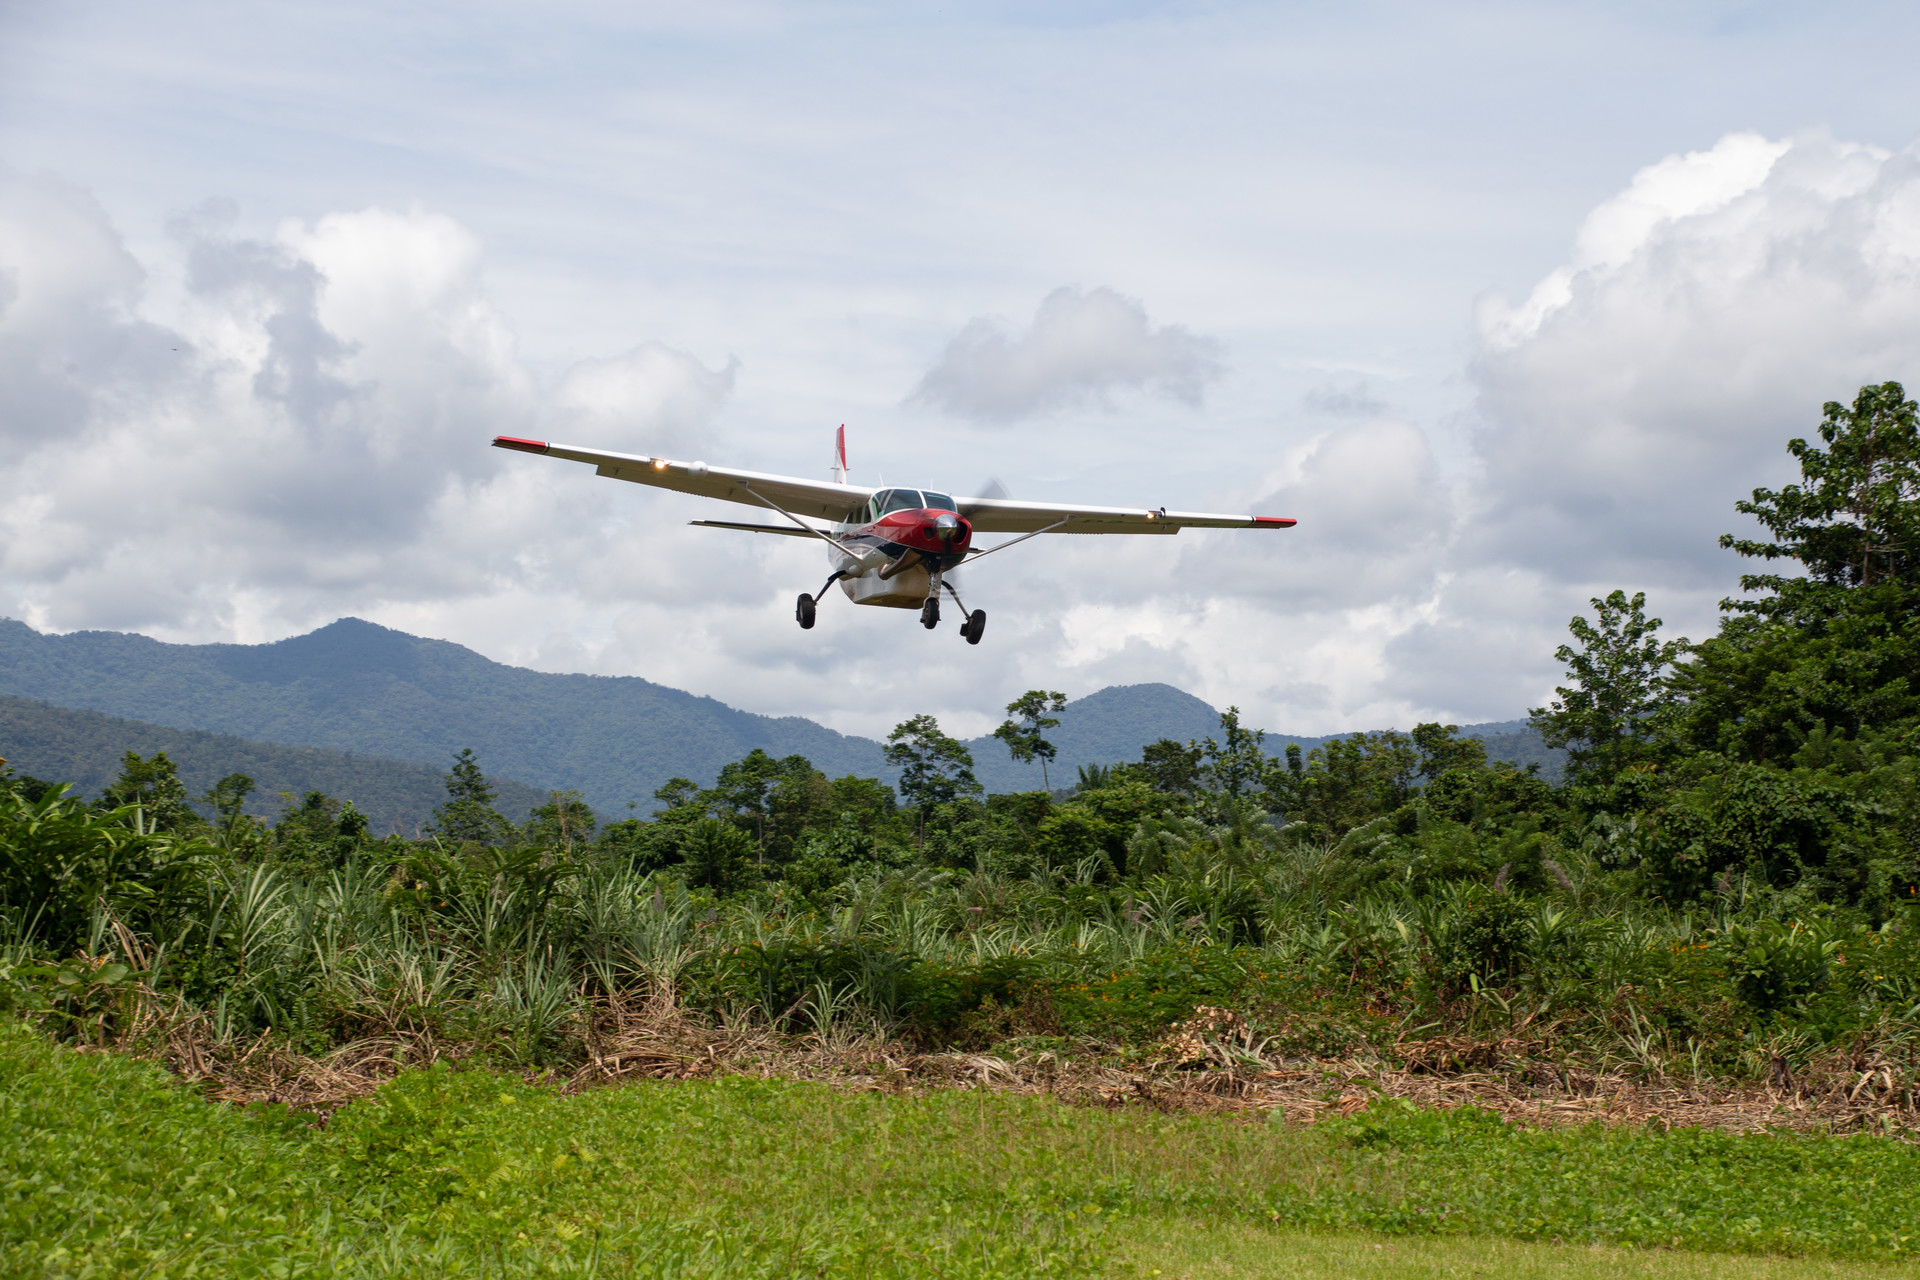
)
(1726, 879)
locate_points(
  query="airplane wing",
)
(1003, 515)
(826, 500)
(821, 499)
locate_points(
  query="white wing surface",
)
(826, 500)
(821, 499)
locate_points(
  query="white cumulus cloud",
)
(1083, 346)
(304, 435)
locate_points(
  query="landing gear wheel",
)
(803, 613)
(930, 613)
(975, 626)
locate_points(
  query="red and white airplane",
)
(889, 547)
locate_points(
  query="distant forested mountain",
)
(60, 744)
(368, 690)
(354, 686)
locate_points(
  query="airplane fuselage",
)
(902, 539)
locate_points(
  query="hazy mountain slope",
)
(354, 686)
(60, 744)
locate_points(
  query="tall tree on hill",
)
(1024, 731)
(469, 815)
(934, 768)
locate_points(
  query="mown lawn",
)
(112, 1168)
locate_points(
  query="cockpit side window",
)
(937, 501)
(897, 500)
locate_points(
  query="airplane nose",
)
(946, 526)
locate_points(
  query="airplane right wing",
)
(821, 499)
(1003, 515)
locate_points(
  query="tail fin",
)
(840, 455)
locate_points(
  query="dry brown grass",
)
(1209, 1064)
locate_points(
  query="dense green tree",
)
(228, 799)
(934, 768)
(319, 833)
(1345, 782)
(719, 856)
(1854, 520)
(1836, 648)
(155, 786)
(747, 789)
(869, 802)
(1238, 765)
(1025, 729)
(564, 822)
(1171, 767)
(1442, 748)
(468, 816)
(681, 795)
(1611, 710)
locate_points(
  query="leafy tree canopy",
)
(155, 786)
(934, 768)
(468, 816)
(1618, 690)
(1024, 731)
(1854, 520)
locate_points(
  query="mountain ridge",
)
(356, 687)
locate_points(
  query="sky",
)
(1507, 303)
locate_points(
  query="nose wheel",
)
(930, 613)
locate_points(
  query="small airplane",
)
(889, 547)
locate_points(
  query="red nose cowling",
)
(921, 530)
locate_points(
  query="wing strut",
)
(1022, 538)
(835, 542)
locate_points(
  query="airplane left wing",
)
(821, 499)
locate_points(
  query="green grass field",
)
(111, 1168)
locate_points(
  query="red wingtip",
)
(1278, 522)
(524, 446)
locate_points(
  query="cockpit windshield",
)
(937, 501)
(896, 500)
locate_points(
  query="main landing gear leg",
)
(804, 607)
(930, 611)
(975, 624)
